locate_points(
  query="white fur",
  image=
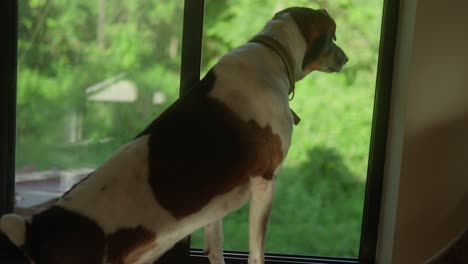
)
(14, 227)
(261, 192)
(125, 175)
(285, 30)
(214, 242)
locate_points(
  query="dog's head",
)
(318, 29)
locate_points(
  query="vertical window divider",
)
(192, 38)
(8, 46)
(379, 131)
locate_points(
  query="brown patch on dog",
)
(199, 148)
(58, 235)
(317, 28)
(127, 245)
(103, 188)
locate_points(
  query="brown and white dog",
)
(201, 159)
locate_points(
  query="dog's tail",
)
(13, 239)
(14, 227)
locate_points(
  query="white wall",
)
(425, 200)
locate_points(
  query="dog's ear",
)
(317, 28)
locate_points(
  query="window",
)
(87, 81)
(319, 193)
(103, 70)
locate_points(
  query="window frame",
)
(190, 74)
(8, 46)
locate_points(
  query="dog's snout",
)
(341, 58)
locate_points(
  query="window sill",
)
(237, 257)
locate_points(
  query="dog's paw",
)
(258, 259)
(215, 258)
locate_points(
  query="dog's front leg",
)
(214, 242)
(261, 197)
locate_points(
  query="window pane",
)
(92, 74)
(320, 189)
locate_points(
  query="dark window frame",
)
(190, 73)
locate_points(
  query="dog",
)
(205, 156)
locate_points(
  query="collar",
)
(287, 59)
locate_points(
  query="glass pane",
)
(320, 189)
(92, 74)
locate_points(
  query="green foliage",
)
(319, 198)
(59, 57)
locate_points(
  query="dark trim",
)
(8, 47)
(191, 44)
(238, 257)
(378, 143)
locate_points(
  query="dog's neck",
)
(286, 32)
(288, 61)
(283, 53)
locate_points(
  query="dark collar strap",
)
(282, 52)
(287, 60)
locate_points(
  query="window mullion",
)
(189, 76)
(8, 46)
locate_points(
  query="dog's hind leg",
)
(261, 197)
(214, 242)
